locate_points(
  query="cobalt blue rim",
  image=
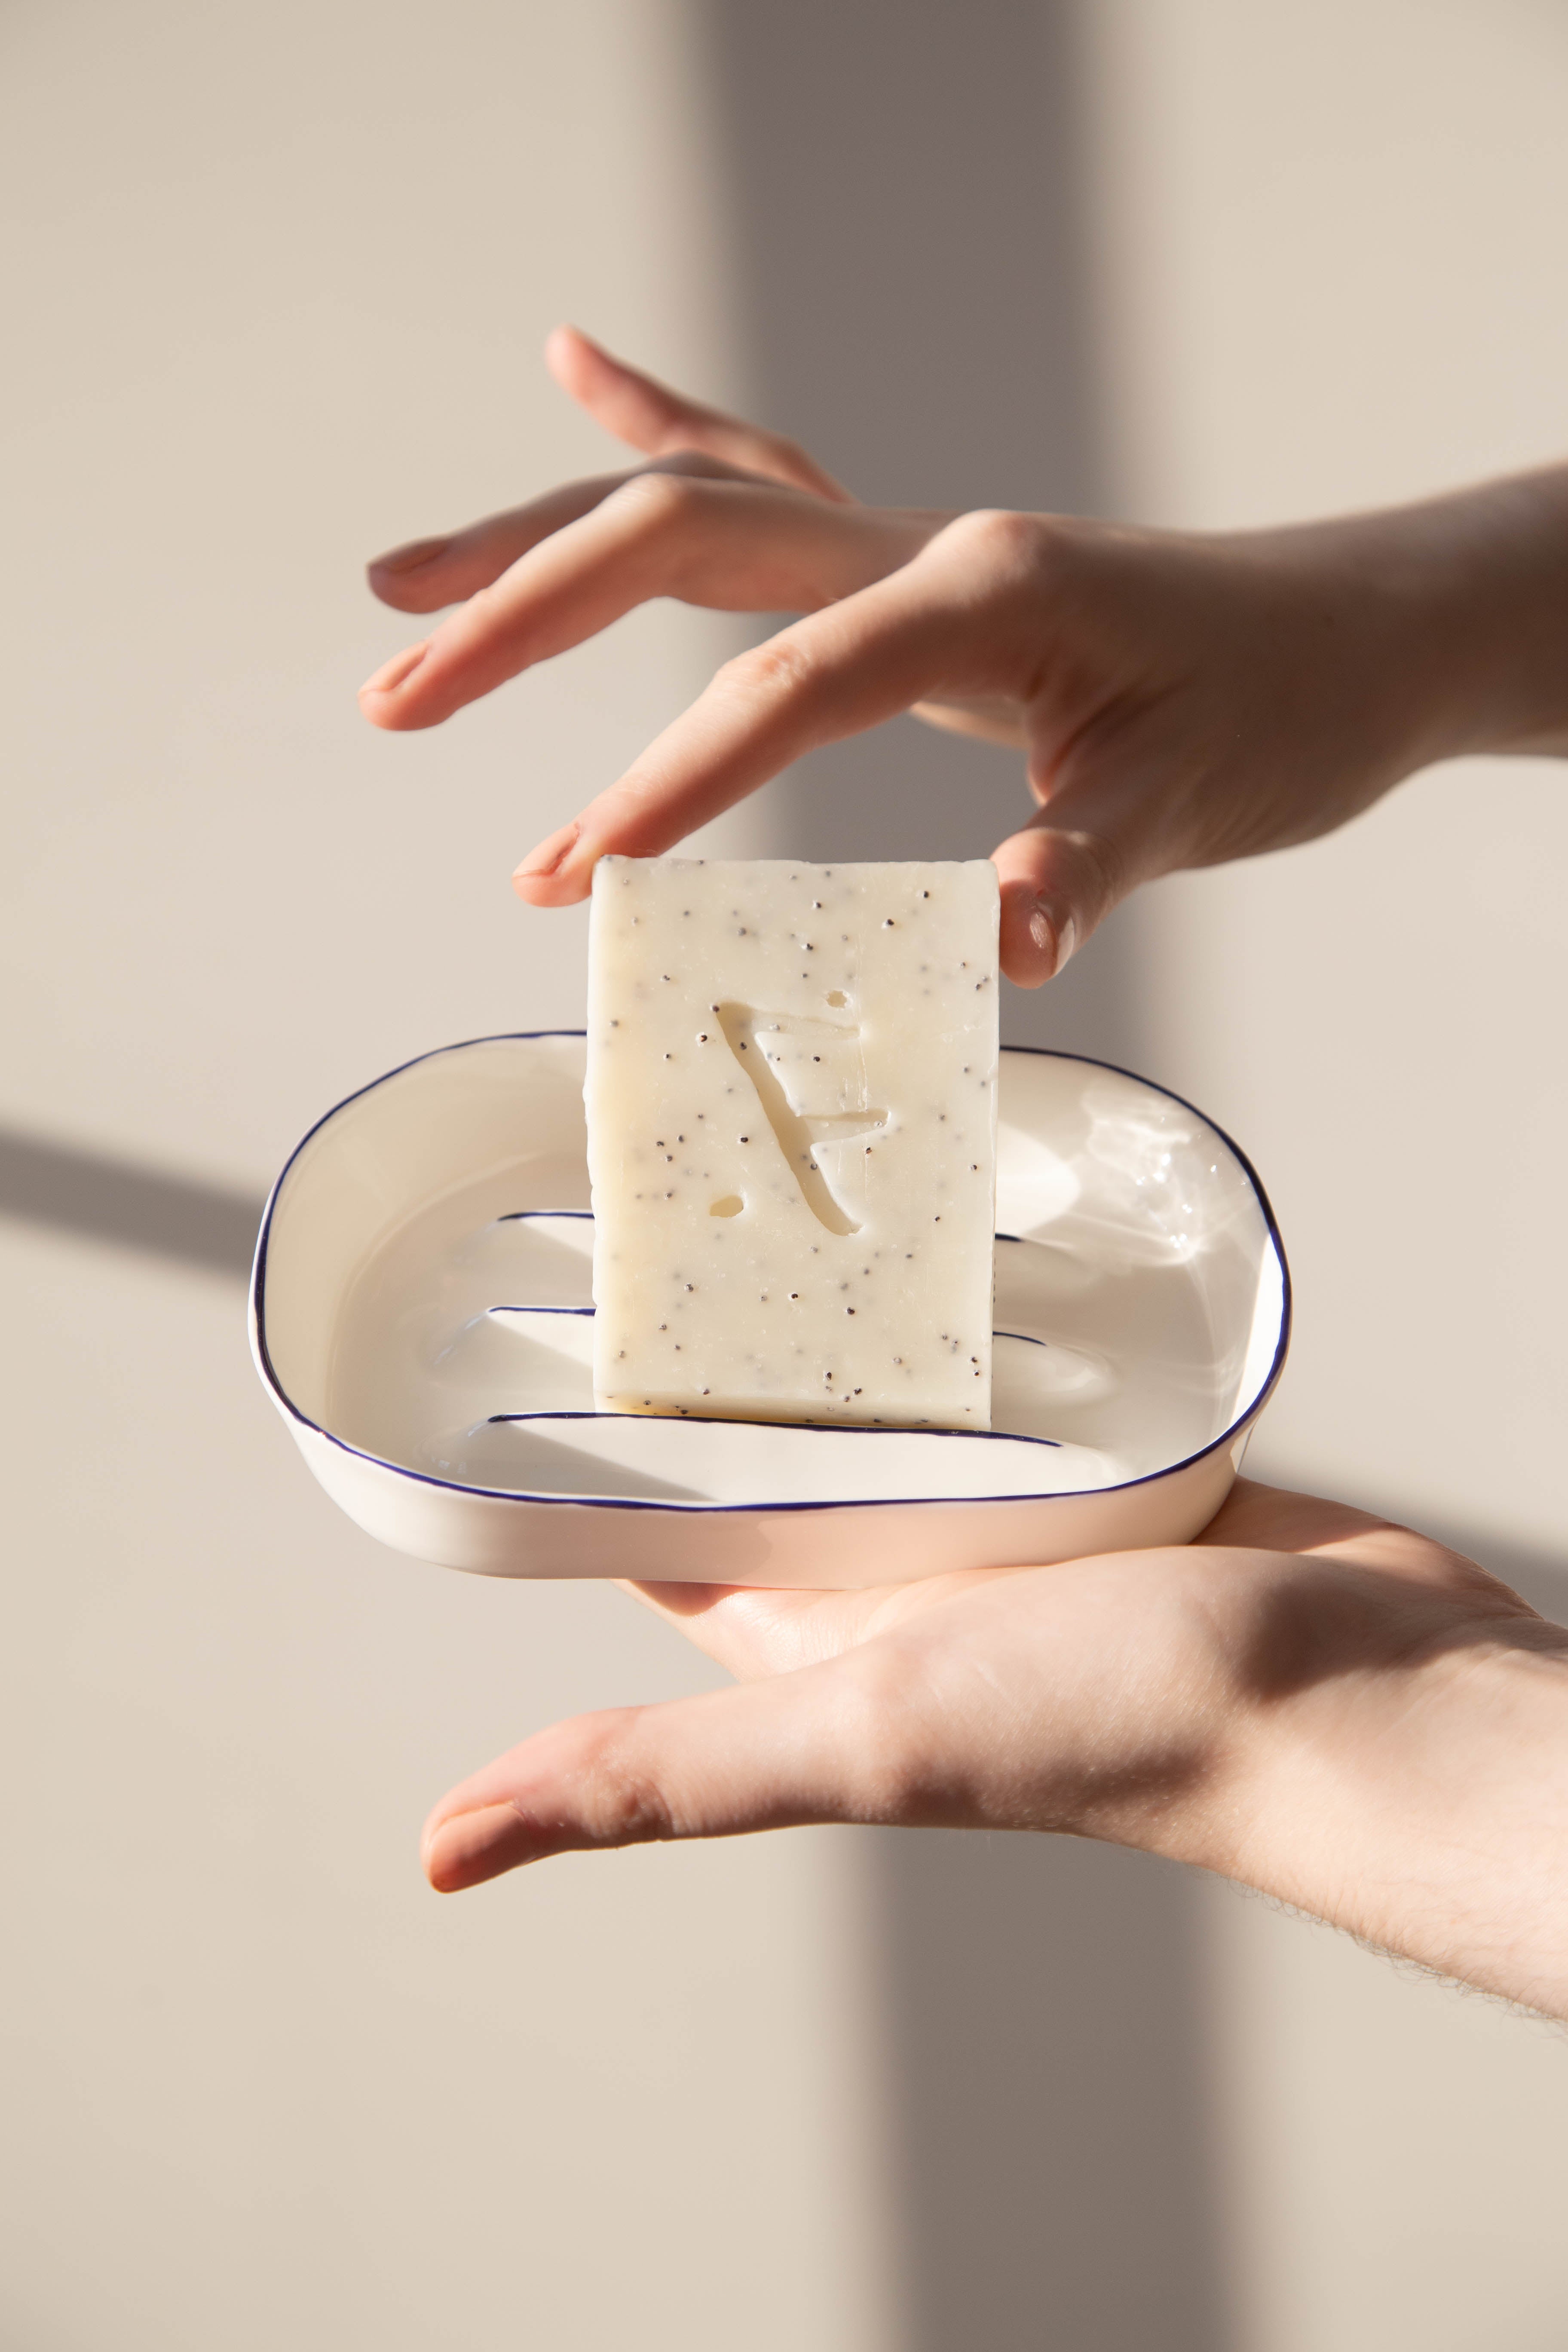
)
(499, 1310)
(818, 1429)
(1227, 1437)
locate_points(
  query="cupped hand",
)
(1179, 699)
(1306, 1699)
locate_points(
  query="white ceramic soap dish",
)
(421, 1312)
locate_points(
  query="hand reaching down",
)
(1179, 699)
(1315, 1702)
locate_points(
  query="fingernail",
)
(1054, 932)
(471, 1847)
(409, 558)
(392, 673)
(550, 855)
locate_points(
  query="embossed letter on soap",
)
(792, 1120)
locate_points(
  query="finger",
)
(429, 572)
(1275, 1519)
(752, 1630)
(637, 408)
(425, 574)
(1056, 885)
(767, 1754)
(831, 674)
(739, 545)
(985, 719)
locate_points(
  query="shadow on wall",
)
(99, 1198)
(1052, 2165)
(907, 222)
(906, 196)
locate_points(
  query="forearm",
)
(1424, 1810)
(1472, 592)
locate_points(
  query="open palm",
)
(1262, 1701)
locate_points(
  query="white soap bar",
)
(792, 1120)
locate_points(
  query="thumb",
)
(769, 1755)
(1056, 885)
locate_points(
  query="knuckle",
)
(656, 501)
(788, 455)
(783, 667)
(998, 535)
(1033, 552)
(1100, 865)
(691, 461)
(622, 1802)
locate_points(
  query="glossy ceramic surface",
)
(422, 1307)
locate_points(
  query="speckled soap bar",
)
(792, 1120)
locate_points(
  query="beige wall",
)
(277, 284)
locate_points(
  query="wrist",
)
(1468, 597)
